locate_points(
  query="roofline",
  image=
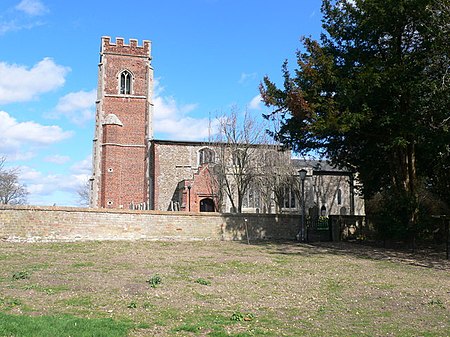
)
(202, 143)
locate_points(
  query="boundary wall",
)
(67, 224)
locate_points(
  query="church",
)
(132, 169)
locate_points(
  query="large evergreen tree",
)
(373, 96)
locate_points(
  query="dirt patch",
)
(286, 288)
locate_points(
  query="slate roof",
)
(316, 165)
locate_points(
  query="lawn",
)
(220, 289)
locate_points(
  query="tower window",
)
(125, 83)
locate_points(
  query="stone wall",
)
(173, 163)
(59, 224)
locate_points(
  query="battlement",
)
(133, 48)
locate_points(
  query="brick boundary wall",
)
(67, 224)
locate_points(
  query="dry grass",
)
(230, 288)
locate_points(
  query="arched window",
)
(289, 197)
(339, 197)
(125, 82)
(323, 211)
(206, 156)
(252, 197)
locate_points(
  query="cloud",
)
(78, 107)
(8, 26)
(13, 25)
(32, 7)
(16, 136)
(46, 188)
(247, 77)
(19, 84)
(22, 16)
(57, 159)
(172, 119)
(185, 128)
(83, 167)
(167, 107)
(255, 103)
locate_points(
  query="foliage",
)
(11, 190)
(21, 275)
(154, 281)
(132, 305)
(239, 317)
(203, 282)
(373, 95)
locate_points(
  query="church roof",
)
(318, 166)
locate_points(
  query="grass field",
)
(220, 289)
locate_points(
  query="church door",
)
(206, 205)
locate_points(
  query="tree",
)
(242, 161)
(373, 96)
(11, 190)
(236, 164)
(84, 192)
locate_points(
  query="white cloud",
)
(19, 156)
(185, 128)
(83, 167)
(32, 7)
(14, 135)
(13, 25)
(18, 83)
(46, 188)
(246, 77)
(173, 121)
(57, 159)
(255, 103)
(7, 27)
(167, 107)
(78, 107)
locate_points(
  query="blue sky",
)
(208, 55)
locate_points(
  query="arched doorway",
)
(207, 205)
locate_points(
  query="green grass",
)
(48, 290)
(79, 301)
(58, 326)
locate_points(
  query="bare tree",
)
(11, 190)
(84, 192)
(245, 163)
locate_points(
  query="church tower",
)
(123, 126)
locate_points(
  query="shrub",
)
(154, 281)
(203, 282)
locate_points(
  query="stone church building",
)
(132, 169)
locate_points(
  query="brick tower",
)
(123, 126)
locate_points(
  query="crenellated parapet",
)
(120, 47)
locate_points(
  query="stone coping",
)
(130, 211)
